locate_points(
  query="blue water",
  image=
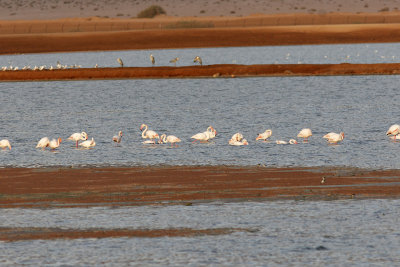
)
(305, 54)
(363, 107)
(295, 233)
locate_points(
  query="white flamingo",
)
(146, 133)
(4, 144)
(305, 134)
(117, 138)
(88, 143)
(55, 143)
(237, 137)
(334, 138)
(169, 139)
(393, 130)
(77, 137)
(243, 142)
(43, 143)
(282, 142)
(265, 135)
(205, 136)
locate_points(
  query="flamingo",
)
(233, 142)
(148, 133)
(55, 143)
(169, 139)
(88, 143)
(305, 133)
(174, 60)
(4, 144)
(117, 138)
(152, 59)
(265, 135)
(120, 62)
(205, 136)
(393, 130)
(395, 137)
(198, 59)
(282, 142)
(334, 138)
(78, 136)
(149, 142)
(43, 143)
(237, 137)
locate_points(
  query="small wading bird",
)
(120, 62)
(77, 137)
(334, 138)
(305, 134)
(88, 143)
(265, 135)
(174, 60)
(4, 144)
(43, 143)
(169, 139)
(55, 143)
(198, 60)
(148, 134)
(117, 138)
(153, 60)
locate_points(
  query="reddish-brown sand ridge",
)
(68, 187)
(11, 234)
(222, 70)
(208, 37)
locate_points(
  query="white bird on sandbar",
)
(146, 133)
(265, 135)
(77, 137)
(43, 143)
(117, 138)
(334, 138)
(4, 144)
(88, 143)
(55, 143)
(305, 134)
(169, 139)
(393, 130)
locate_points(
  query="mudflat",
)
(119, 186)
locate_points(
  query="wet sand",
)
(207, 37)
(120, 186)
(220, 70)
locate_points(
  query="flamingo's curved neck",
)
(164, 138)
(144, 132)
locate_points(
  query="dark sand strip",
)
(68, 187)
(221, 70)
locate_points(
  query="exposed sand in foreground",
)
(209, 71)
(68, 187)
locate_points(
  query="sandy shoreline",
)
(121, 186)
(209, 71)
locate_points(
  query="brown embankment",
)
(220, 70)
(69, 187)
(207, 37)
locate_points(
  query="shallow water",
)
(346, 232)
(363, 107)
(305, 54)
